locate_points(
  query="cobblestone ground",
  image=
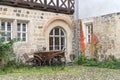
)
(74, 73)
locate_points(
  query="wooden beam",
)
(60, 6)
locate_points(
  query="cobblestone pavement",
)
(74, 73)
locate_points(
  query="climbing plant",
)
(94, 46)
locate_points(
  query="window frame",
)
(89, 31)
(6, 29)
(60, 36)
(21, 31)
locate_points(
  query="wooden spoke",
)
(57, 62)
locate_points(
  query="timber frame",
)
(58, 6)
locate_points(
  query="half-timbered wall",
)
(59, 6)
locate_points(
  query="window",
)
(89, 31)
(57, 39)
(6, 29)
(22, 31)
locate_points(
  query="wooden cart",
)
(52, 58)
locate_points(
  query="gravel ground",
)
(73, 73)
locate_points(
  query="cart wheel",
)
(36, 62)
(57, 63)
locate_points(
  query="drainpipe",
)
(76, 31)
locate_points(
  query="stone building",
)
(38, 24)
(106, 28)
(49, 24)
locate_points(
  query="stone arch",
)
(54, 19)
(69, 35)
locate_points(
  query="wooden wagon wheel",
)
(36, 61)
(57, 62)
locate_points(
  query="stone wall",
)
(37, 21)
(107, 30)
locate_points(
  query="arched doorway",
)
(57, 39)
(59, 26)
